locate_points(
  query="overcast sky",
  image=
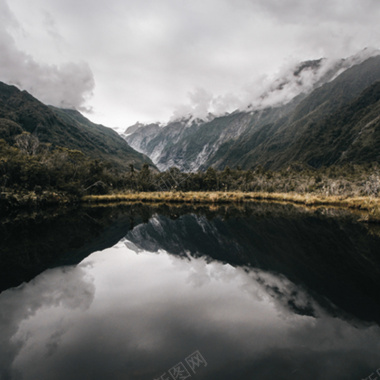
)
(122, 61)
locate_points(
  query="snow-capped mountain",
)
(273, 129)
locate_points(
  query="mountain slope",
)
(351, 134)
(285, 140)
(188, 143)
(303, 130)
(20, 111)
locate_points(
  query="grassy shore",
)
(369, 204)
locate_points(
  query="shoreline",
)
(370, 205)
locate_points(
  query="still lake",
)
(260, 291)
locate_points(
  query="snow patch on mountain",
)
(200, 128)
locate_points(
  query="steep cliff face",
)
(303, 129)
(157, 142)
(141, 135)
(190, 145)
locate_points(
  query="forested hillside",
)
(20, 112)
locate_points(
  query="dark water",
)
(258, 292)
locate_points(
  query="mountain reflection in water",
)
(260, 292)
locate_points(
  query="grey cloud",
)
(200, 104)
(74, 290)
(67, 85)
(147, 56)
(298, 11)
(269, 91)
(52, 28)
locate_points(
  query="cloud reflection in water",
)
(125, 313)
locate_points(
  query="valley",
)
(321, 146)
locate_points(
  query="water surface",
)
(258, 292)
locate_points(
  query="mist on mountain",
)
(274, 129)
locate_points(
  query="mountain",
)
(293, 138)
(20, 111)
(350, 134)
(160, 144)
(330, 116)
(321, 252)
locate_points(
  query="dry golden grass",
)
(369, 204)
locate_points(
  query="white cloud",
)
(67, 85)
(147, 56)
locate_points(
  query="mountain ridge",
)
(272, 137)
(21, 112)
